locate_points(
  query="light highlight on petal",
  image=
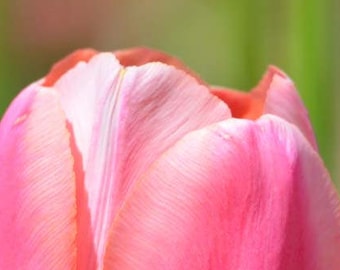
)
(87, 85)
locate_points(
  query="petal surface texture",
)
(125, 118)
(37, 187)
(236, 195)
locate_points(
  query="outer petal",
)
(283, 100)
(60, 68)
(275, 94)
(240, 195)
(140, 56)
(37, 187)
(87, 85)
(125, 119)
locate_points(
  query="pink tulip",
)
(119, 161)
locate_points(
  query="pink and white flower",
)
(128, 160)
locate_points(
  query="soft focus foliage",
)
(227, 42)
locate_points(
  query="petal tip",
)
(61, 67)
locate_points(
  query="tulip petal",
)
(127, 118)
(154, 107)
(140, 56)
(237, 195)
(158, 105)
(60, 68)
(87, 85)
(242, 105)
(275, 94)
(283, 100)
(37, 187)
(247, 105)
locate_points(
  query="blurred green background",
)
(228, 42)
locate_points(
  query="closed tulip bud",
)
(129, 160)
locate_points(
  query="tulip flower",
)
(129, 160)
